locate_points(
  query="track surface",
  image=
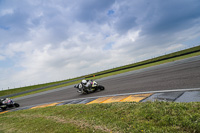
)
(181, 74)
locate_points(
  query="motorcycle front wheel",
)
(3, 108)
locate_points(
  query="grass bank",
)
(44, 87)
(150, 61)
(112, 117)
(135, 66)
(146, 65)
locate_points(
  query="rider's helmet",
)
(84, 82)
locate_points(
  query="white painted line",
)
(161, 91)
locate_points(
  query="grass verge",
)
(33, 87)
(112, 117)
(22, 89)
(50, 88)
(148, 65)
(149, 61)
(115, 73)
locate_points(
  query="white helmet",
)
(84, 82)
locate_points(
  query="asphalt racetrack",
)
(182, 74)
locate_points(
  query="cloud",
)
(87, 11)
(43, 41)
(6, 12)
(171, 16)
(126, 23)
(2, 57)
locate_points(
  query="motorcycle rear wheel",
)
(101, 87)
(16, 104)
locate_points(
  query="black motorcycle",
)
(7, 103)
(94, 87)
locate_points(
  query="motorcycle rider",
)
(5, 100)
(79, 86)
(1, 101)
(87, 84)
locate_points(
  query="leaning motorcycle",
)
(95, 87)
(8, 103)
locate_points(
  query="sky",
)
(50, 40)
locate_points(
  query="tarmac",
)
(166, 77)
(181, 74)
(178, 95)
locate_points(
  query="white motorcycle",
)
(7, 103)
(94, 87)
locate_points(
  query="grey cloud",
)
(77, 32)
(155, 17)
(93, 11)
(14, 24)
(126, 16)
(171, 16)
(125, 23)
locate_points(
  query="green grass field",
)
(147, 117)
